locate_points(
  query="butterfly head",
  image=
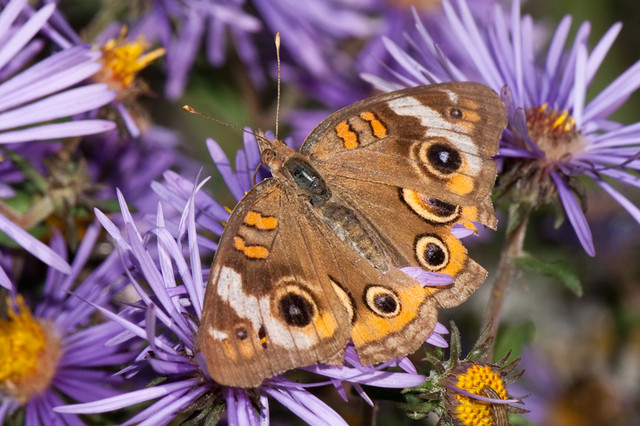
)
(273, 152)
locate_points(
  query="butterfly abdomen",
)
(356, 233)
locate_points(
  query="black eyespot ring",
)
(432, 252)
(382, 301)
(296, 310)
(443, 158)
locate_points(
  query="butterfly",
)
(309, 258)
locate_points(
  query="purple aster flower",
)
(181, 27)
(174, 301)
(32, 99)
(45, 92)
(54, 355)
(313, 36)
(554, 133)
(342, 87)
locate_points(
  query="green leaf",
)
(513, 338)
(558, 269)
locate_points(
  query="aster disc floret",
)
(554, 133)
(50, 353)
(174, 302)
(467, 391)
(122, 60)
(28, 365)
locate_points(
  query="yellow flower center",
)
(29, 353)
(472, 411)
(123, 60)
(554, 132)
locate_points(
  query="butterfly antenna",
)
(277, 42)
(255, 173)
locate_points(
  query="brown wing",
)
(267, 307)
(285, 292)
(435, 140)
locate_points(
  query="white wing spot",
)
(453, 97)
(217, 334)
(230, 290)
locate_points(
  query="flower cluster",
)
(170, 315)
(107, 228)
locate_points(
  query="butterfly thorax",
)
(288, 165)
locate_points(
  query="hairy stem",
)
(512, 249)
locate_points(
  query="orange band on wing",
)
(347, 135)
(460, 184)
(379, 131)
(260, 222)
(253, 252)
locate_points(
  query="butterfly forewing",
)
(268, 304)
(436, 140)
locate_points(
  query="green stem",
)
(512, 249)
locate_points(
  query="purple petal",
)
(406, 364)
(621, 199)
(9, 15)
(580, 85)
(599, 52)
(59, 71)
(575, 214)
(614, 95)
(65, 104)
(5, 281)
(373, 378)
(554, 55)
(126, 399)
(437, 340)
(33, 245)
(21, 37)
(224, 167)
(169, 412)
(426, 278)
(306, 406)
(440, 329)
(57, 131)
